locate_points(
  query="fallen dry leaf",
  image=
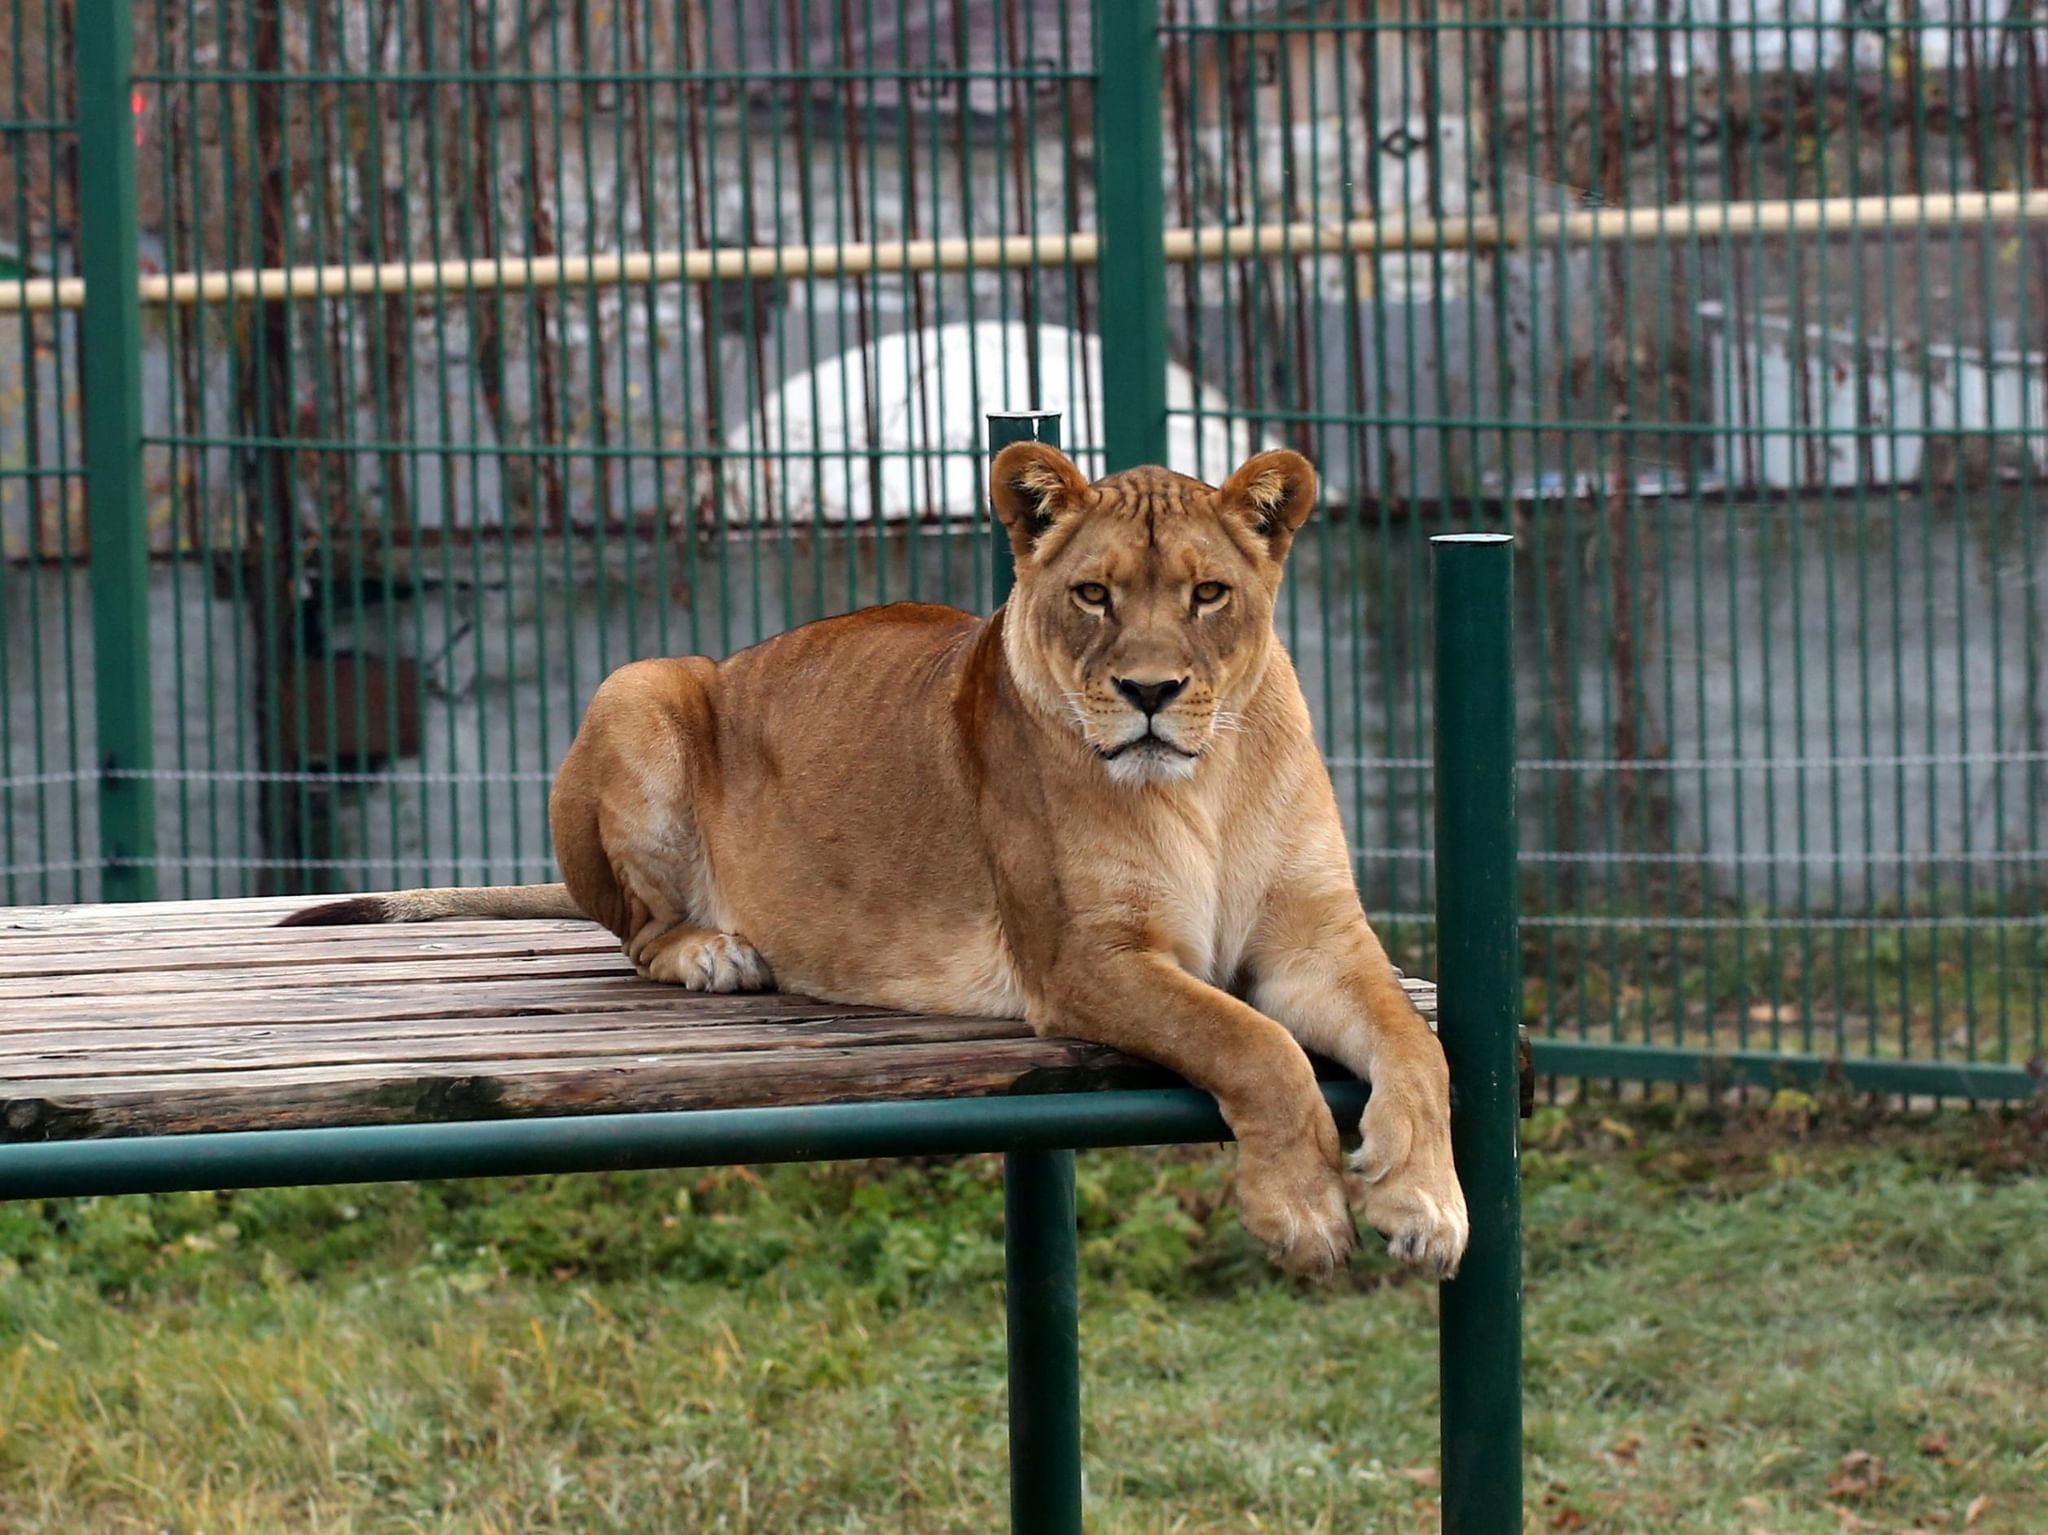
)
(1849, 1519)
(1976, 1510)
(1624, 1449)
(1934, 1445)
(1568, 1518)
(1422, 1476)
(1859, 1473)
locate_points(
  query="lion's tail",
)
(433, 905)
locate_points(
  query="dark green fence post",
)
(1004, 428)
(1478, 1011)
(111, 390)
(1130, 204)
(1040, 1250)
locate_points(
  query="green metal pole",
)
(1041, 1252)
(1040, 1256)
(111, 352)
(1478, 1012)
(1130, 201)
(1004, 428)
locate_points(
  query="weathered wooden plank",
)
(402, 1005)
(154, 939)
(375, 945)
(231, 1049)
(424, 1091)
(225, 912)
(455, 996)
(469, 996)
(510, 968)
(399, 1040)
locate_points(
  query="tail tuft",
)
(354, 912)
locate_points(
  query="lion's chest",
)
(1206, 893)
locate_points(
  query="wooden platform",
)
(188, 1016)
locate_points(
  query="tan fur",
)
(912, 807)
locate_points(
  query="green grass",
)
(1733, 1325)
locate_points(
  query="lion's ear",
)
(1031, 484)
(1274, 492)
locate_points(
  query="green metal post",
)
(1004, 428)
(111, 349)
(1130, 201)
(1040, 1249)
(1042, 1273)
(1478, 1011)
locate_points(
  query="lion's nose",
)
(1151, 696)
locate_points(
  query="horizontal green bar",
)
(399, 449)
(831, 1132)
(1765, 1068)
(614, 1142)
(1815, 921)
(915, 74)
(1602, 428)
(1766, 26)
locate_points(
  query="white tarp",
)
(819, 461)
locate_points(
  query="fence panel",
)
(487, 345)
(48, 819)
(677, 330)
(1738, 317)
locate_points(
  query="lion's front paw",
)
(704, 961)
(1403, 1178)
(1292, 1199)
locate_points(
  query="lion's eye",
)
(1209, 593)
(1092, 594)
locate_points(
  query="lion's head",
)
(1143, 609)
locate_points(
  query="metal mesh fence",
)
(485, 346)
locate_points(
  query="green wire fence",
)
(473, 349)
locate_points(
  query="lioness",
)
(1101, 809)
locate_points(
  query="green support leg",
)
(1041, 1259)
(1478, 1011)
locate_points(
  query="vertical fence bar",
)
(1478, 1010)
(1130, 199)
(111, 391)
(1004, 428)
(1040, 1250)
